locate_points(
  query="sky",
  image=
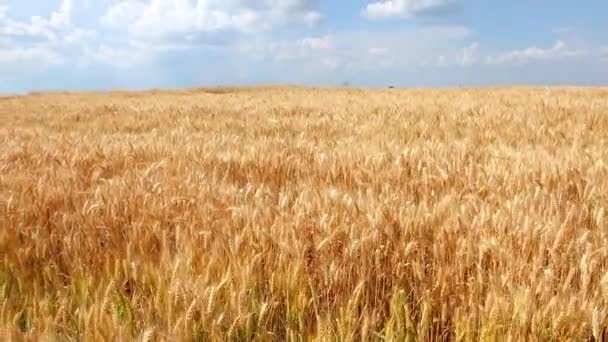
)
(143, 44)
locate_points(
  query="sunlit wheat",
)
(305, 214)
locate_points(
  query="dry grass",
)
(300, 214)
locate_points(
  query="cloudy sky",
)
(135, 44)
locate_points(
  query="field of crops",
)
(291, 214)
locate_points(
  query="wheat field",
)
(305, 214)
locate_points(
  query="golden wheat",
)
(305, 214)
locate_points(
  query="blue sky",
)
(139, 44)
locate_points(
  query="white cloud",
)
(119, 57)
(154, 18)
(40, 39)
(37, 26)
(317, 43)
(285, 51)
(331, 63)
(353, 52)
(559, 51)
(442, 61)
(123, 14)
(63, 16)
(135, 52)
(312, 18)
(28, 55)
(377, 51)
(382, 9)
(469, 55)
